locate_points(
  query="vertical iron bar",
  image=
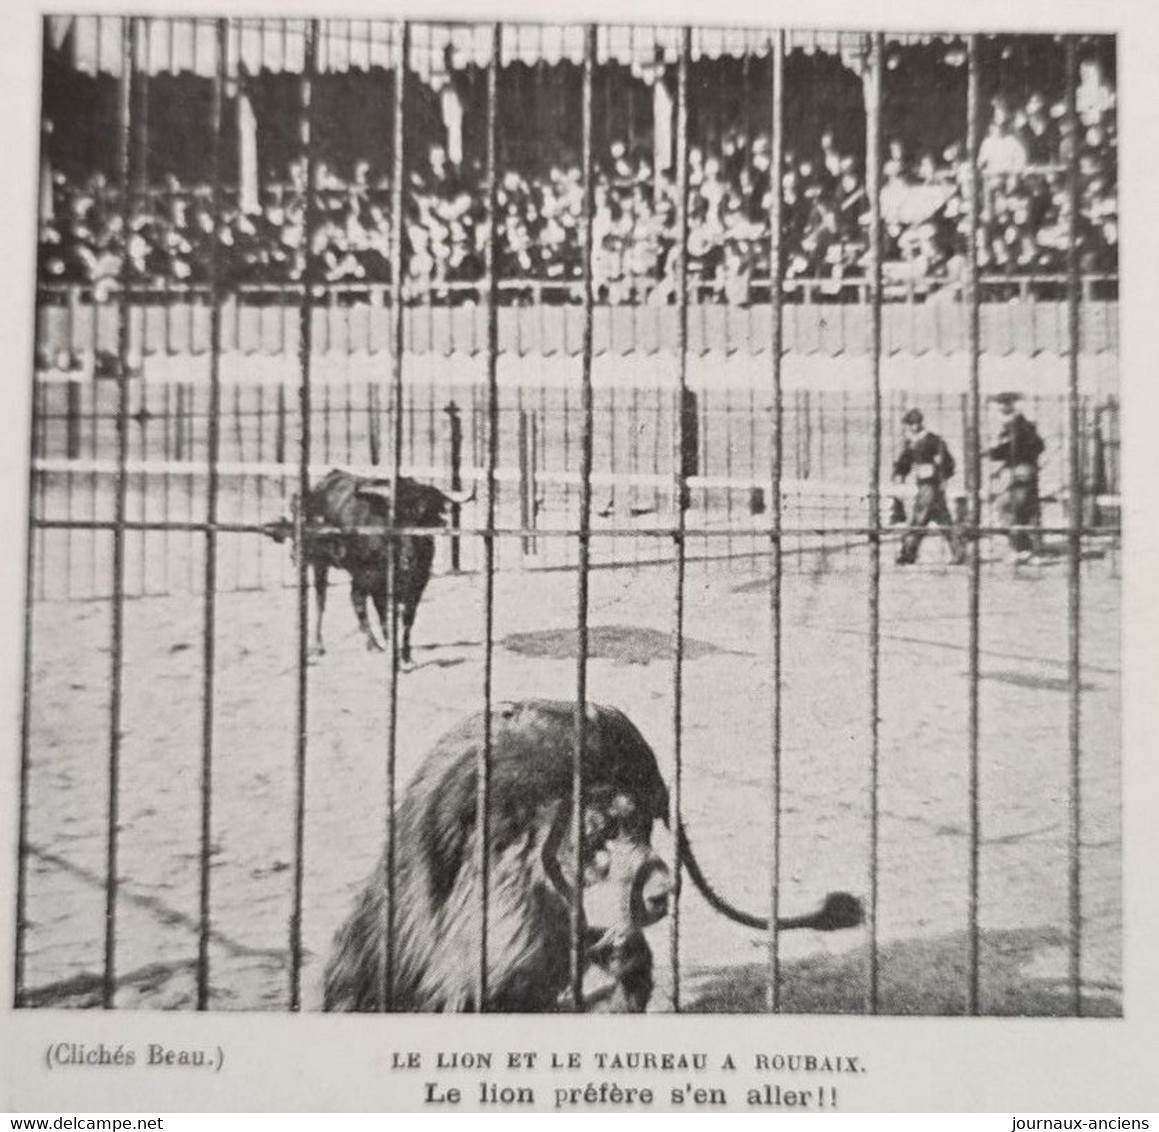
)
(1074, 558)
(35, 421)
(823, 399)
(280, 430)
(752, 461)
(566, 440)
(455, 459)
(657, 429)
(141, 189)
(491, 269)
(166, 480)
(397, 268)
(681, 492)
(209, 632)
(238, 425)
(798, 458)
(328, 385)
(39, 420)
(188, 427)
(74, 392)
(873, 185)
(542, 433)
(349, 410)
(372, 421)
(973, 468)
(776, 296)
(704, 416)
(261, 479)
(585, 523)
(410, 401)
(807, 431)
(305, 360)
(431, 410)
(124, 150)
(349, 299)
(524, 470)
(613, 470)
(191, 295)
(94, 427)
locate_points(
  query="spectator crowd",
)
(1025, 218)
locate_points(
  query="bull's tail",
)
(838, 910)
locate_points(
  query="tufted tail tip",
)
(841, 910)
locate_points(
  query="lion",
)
(438, 905)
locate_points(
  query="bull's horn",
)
(280, 529)
(458, 498)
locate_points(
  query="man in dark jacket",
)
(1017, 453)
(928, 457)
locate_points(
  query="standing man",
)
(1017, 453)
(928, 456)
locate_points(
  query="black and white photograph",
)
(554, 515)
(716, 433)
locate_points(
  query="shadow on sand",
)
(1023, 973)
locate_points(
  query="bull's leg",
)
(409, 609)
(358, 595)
(321, 584)
(382, 607)
(415, 568)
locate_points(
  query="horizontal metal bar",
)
(797, 283)
(854, 493)
(557, 532)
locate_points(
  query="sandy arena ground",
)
(924, 843)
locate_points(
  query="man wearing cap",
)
(928, 456)
(1017, 452)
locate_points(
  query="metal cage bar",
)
(35, 418)
(680, 498)
(860, 532)
(776, 300)
(973, 465)
(117, 645)
(398, 312)
(585, 524)
(305, 362)
(1074, 539)
(873, 111)
(491, 272)
(209, 634)
(140, 113)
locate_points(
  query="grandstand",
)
(262, 249)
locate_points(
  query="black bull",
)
(437, 906)
(345, 525)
